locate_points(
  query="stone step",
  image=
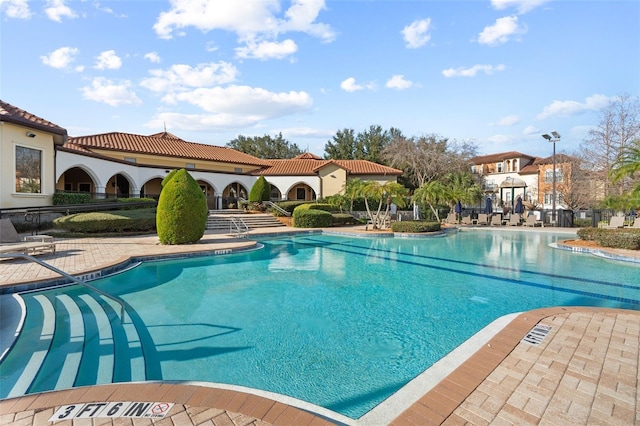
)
(223, 221)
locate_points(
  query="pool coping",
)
(432, 407)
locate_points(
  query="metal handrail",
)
(277, 208)
(234, 222)
(70, 277)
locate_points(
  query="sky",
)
(498, 73)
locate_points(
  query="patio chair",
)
(451, 219)
(515, 220)
(532, 221)
(483, 219)
(496, 220)
(466, 220)
(615, 222)
(636, 223)
(32, 244)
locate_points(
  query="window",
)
(548, 175)
(499, 167)
(130, 159)
(191, 166)
(301, 194)
(28, 170)
(237, 170)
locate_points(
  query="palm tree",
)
(628, 165)
(387, 193)
(353, 189)
(462, 187)
(430, 193)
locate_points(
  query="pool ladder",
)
(241, 228)
(69, 277)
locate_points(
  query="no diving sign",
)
(92, 410)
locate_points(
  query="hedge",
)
(143, 220)
(64, 198)
(622, 238)
(415, 226)
(311, 218)
(289, 206)
(315, 206)
(340, 219)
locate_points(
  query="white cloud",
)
(56, 10)
(350, 85)
(523, 6)
(267, 50)
(108, 10)
(15, 8)
(152, 57)
(417, 34)
(398, 82)
(471, 72)
(233, 106)
(305, 132)
(257, 24)
(180, 77)
(506, 121)
(110, 93)
(501, 31)
(565, 108)
(60, 58)
(531, 130)
(108, 60)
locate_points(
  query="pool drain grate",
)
(537, 334)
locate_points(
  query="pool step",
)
(74, 338)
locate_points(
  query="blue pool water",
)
(342, 322)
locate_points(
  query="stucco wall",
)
(12, 135)
(332, 180)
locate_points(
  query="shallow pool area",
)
(339, 321)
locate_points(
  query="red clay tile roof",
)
(165, 144)
(309, 167)
(494, 158)
(307, 156)
(15, 115)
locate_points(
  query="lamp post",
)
(553, 138)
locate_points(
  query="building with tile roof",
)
(122, 164)
(27, 157)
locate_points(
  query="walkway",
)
(585, 371)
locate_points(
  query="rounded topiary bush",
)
(168, 177)
(260, 191)
(303, 218)
(182, 212)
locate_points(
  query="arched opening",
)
(76, 180)
(209, 193)
(276, 195)
(151, 189)
(231, 195)
(301, 192)
(118, 186)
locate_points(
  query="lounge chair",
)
(496, 220)
(636, 223)
(615, 222)
(515, 220)
(532, 221)
(466, 220)
(451, 219)
(32, 244)
(483, 219)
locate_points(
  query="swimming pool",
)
(339, 321)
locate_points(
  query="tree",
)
(366, 145)
(265, 147)
(387, 193)
(181, 215)
(260, 191)
(353, 189)
(460, 186)
(627, 167)
(428, 158)
(619, 125)
(430, 193)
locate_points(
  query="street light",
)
(553, 138)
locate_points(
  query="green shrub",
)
(415, 226)
(260, 191)
(168, 177)
(290, 206)
(141, 220)
(581, 223)
(340, 219)
(64, 198)
(315, 206)
(124, 201)
(182, 210)
(615, 238)
(303, 218)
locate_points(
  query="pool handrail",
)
(69, 277)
